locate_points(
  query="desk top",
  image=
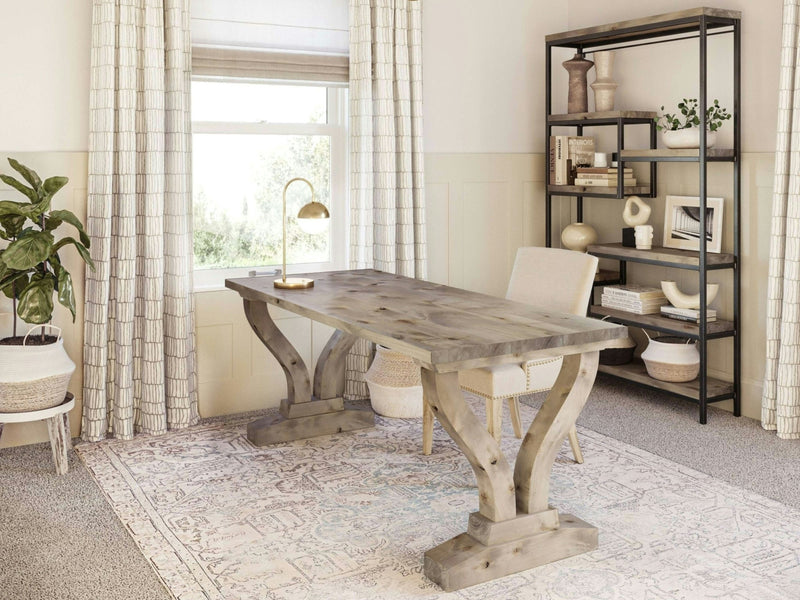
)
(441, 327)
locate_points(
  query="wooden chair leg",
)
(576, 448)
(427, 427)
(513, 409)
(494, 418)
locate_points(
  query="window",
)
(249, 139)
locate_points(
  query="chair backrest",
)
(553, 279)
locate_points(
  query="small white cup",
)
(600, 159)
(644, 237)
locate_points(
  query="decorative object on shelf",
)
(642, 214)
(312, 218)
(685, 133)
(395, 385)
(600, 160)
(690, 315)
(568, 153)
(671, 358)
(577, 236)
(638, 299)
(680, 300)
(604, 87)
(35, 371)
(632, 219)
(644, 237)
(577, 98)
(620, 355)
(682, 223)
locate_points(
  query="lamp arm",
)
(286, 187)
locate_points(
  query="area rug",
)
(350, 516)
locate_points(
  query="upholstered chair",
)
(548, 278)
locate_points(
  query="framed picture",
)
(682, 223)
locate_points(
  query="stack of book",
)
(638, 299)
(602, 177)
(692, 315)
(567, 154)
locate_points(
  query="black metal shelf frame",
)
(699, 25)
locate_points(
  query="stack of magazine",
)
(639, 299)
(691, 315)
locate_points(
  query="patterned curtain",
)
(780, 408)
(387, 198)
(139, 355)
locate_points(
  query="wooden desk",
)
(445, 330)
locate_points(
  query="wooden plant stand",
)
(57, 427)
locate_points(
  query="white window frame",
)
(336, 129)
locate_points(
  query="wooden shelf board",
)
(636, 371)
(669, 256)
(659, 322)
(672, 154)
(658, 25)
(605, 276)
(591, 190)
(604, 116)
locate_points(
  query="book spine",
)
(602, 182)
(584, 175)
(561, 160)
(686, 318)
(551, 171)
(643, 295)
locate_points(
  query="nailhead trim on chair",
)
(535, 363)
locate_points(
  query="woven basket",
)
(34, 377)
(395, 385)
(671, 372)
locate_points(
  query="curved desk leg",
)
(500, 541)
(301, 414)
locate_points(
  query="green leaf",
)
(12, 224)
(66, 293)
(36, 300)
(28, 251)
(28, 175)
(24, 209)
(53, 184)
(31, 194)
(80, 247)
(56, 217)
(7, 283)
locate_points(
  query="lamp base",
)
(294, 283)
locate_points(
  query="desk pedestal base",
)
(277, 428)
(463, 561)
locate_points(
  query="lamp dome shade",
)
(313, 217)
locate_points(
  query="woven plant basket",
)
(34, 377)
(395, 385)
(671, 358)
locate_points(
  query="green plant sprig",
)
(689, 117)
(31, 271)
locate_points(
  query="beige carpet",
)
(350, 516)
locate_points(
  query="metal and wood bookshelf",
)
(699, 24)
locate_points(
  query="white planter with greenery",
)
(683, 131)
(35, 370)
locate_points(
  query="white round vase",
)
(395, 385)
(688, 138)
(33, 377)
(671, 358)
(577, 236)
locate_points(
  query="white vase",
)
(34, 377)
(577, 236)
(688, 138)
(395, 385)
(604, 87)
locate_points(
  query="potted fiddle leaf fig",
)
(35, 370)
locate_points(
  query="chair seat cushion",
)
(503, 381)
(542, 374)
